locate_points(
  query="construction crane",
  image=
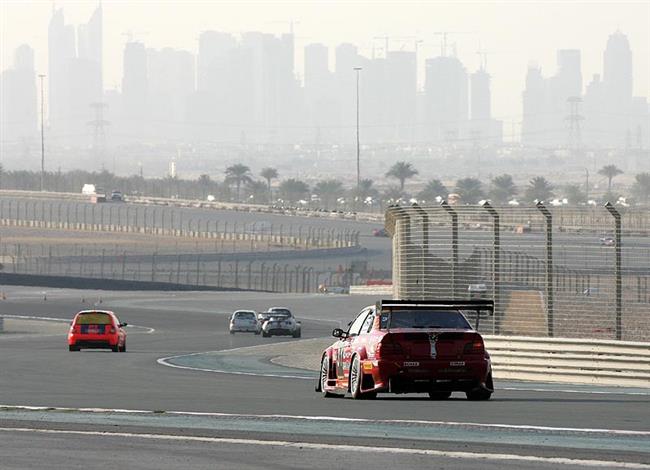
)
(444, 34)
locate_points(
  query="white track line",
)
(515, 427)
(344, 448)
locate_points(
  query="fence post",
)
(550, 293)
(454, 243)
(496, 265)
(619, 282)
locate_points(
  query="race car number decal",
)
(411, 364)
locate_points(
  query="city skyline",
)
(506, 44)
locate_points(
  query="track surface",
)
(39, 371)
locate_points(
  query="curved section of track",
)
(522, 419)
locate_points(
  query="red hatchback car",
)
(97, 329)
(401, 346)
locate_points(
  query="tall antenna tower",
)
(574, 119)
(99, 125)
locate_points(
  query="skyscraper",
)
(18, 106)
(135, 88)
(446, 101)
(75, 75)
(319, 92)
(483, 128)
(401, 81)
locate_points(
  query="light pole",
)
(358, 70)
(42, 77)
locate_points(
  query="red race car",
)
(97, 329)
(402, 346)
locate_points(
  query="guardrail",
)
(597, 362)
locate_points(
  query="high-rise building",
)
(546, 101)
(18, 106)
(446, 100)
(319, 96)
(170, 78)
(401, 89)
(135, 89)
(617, 68)
(75, 75)
(483, 128)
(215, 49)
(346, 59)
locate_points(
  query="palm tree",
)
(204, 181)
(470, 190)
(293, 190)
(610, 172)
(257, 192)
(539, 189)
(269, 174)
(328, 191)
(2, 173)
(401, 171)
(575, 195)
(641, 187)
(431, 190)
(502, 189)
(238, 174)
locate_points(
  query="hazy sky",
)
(513, 33)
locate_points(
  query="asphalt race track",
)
(146, 415)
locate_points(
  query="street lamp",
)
(42, 77)
(358, 71)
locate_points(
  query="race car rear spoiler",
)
(437, 304)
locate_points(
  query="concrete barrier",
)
(598, 362)
(384, 291)
(594, 362)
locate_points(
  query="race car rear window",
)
(94, 318)
(422, 318)
(245, 315)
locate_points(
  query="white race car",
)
(244, 321)
(278, 321)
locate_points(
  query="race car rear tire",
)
(232, 332)
(123, 348)
(73, 348)
(356, 379)
(115, 348)
(439, 395)
(296, 334)
(265, 334)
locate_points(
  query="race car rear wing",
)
(477, 306)
(437, 304)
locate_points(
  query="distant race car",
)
(380, 232)
(409, 347)
(97, 329)
(607, 241)
(244, 321)
(279, 321)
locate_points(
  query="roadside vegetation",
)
(402, 184)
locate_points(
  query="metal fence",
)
(564, 272)
(206, 269)
(165, 221)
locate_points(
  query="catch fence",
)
(551, 271)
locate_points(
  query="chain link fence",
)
(551, 271)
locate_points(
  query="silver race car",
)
(244, 321)
(278, 321)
